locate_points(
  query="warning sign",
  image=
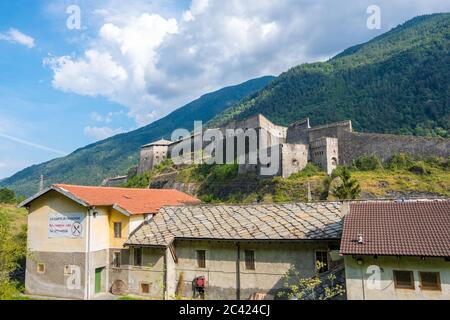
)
(65, 225)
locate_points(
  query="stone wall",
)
(353, 145)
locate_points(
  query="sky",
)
(73, 72)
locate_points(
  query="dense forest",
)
(397, 83)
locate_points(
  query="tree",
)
(320, 287)
(341, 185)
(7, 196)
(348, 188)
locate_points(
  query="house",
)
(397, 250)
(76, 235)
(236, 252)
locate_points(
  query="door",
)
(98, 280)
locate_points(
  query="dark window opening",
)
(322, 261)
(430, 280)
(404, 279)
(145, 288)
(137, 257)
(117, 229)
(201, 258)
(116, 260)
(249, 259)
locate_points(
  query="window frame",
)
(413, 282)
(141, 253)
(148, 284)
(119, 231)
(38, 269)
(438, 281)
(250, 260)
(201, 264)
(117, 263)
(327, 262)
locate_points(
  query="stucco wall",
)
(54, 282)
(386, 290)
(272, 261)
(40, 209)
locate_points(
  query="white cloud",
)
(15, 36)
(100, 133)
(2, 165)
(105, 118)
(32, 144)
(151, 61)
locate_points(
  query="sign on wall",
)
(65, 225)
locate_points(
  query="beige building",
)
(239, 251)
(397, 250)
(76, 235)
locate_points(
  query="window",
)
(116, 259)
(117, 229)
(430, 280)
(201, 258)
(249, 259)
(322, 258)
(138, 257)
(41, 268)
(403, 279)
(145, 288)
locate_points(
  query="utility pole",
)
(309, 192)
(41, 183)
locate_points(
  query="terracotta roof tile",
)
(410, 228)
(135, 201)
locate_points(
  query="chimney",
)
(360, 238)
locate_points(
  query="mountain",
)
(115, 155)
(397, 83)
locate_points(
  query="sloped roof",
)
(161, 142)
(299, 221)
(131, 201)
(410, 228)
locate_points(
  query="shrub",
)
(400, 161)
(367, 163)
(310, 170)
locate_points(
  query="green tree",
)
(347, 188)
(7, 196)
(12, 252)
(319, 287)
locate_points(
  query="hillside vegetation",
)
(115, 155)
(397, 83)
(402, 176)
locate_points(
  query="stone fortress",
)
(327, 146)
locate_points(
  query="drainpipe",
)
(362, 282)
(238, 272)
(88, 258)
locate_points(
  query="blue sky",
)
(133, 62)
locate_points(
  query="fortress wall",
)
(298, 132)
(333, 130)
(353, 145)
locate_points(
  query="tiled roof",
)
(161, 142)
(133, 201)
(410, 228)
(246, 222)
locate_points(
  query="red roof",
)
(410, 228)
(135, 201)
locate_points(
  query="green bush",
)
(420, 167)
(367, 163)
(400, 161)
(310, 170)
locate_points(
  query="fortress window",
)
(404, 279)
(430, 281)
(295, 163)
